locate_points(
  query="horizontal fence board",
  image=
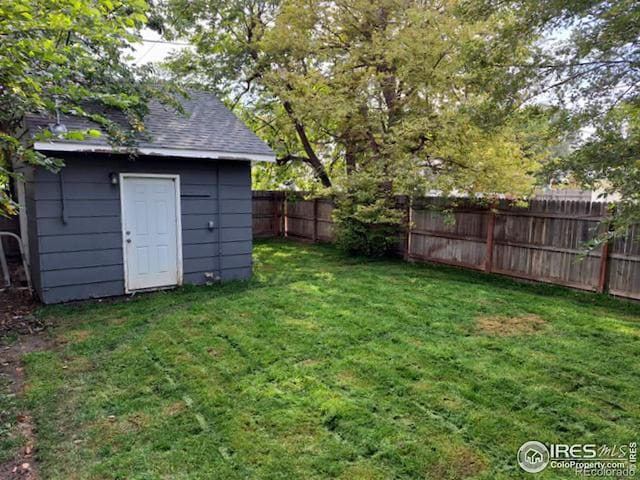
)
(544, 241)
(455, 250)
(547, 266)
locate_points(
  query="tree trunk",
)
(350, 158)
(313, 159)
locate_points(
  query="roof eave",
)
(157, 151)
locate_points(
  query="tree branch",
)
(312, 159)
(291, 158)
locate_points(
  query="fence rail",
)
(544, 242)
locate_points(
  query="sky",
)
(154, 48)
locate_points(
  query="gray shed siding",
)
(82, 257)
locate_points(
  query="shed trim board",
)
(178, 227)
(161, 152)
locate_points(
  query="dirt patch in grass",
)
(78, 364)
(309, 362)
(17, 305)
(457, 463)
(215, 352)
(75, 336)
(504, 326)
(174, 409)
(15, 313)
(352, 379)
(22, 465)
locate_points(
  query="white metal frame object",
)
(3, 261)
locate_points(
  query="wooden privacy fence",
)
(543, 242)
(290, 214)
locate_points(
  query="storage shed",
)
(178, 211)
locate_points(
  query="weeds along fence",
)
(544, 242)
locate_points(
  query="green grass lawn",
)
(325, 366)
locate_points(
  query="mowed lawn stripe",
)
(325, 366)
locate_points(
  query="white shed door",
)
(150, 231)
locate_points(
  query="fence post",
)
(284, 214)
(603, 278)
(604, 267)
(315, 220)
(491, 226)
(407, 229)
(275, 209)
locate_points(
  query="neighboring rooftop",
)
(207, 130)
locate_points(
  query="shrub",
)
(366, 217)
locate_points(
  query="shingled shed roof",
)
(207, 130)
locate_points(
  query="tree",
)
(592, 69)
(64, 55)
(407, 88)
(376, 98)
